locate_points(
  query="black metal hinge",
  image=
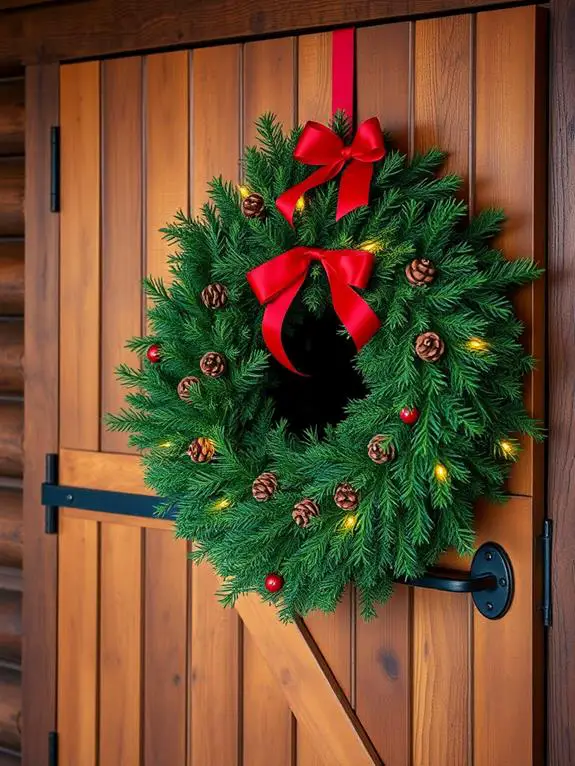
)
(547, 544)
(50, 509)
(52, 748)
(55, 169)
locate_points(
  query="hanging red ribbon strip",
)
(319, 145)
(343, 70)
(277, 282)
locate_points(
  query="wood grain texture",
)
(80, 256)
(81, 468)
(268, 83)
(166, 151)
(110, 26)
(11, 196)
(442, 622)
(11, 357)
(120, 698)
(12, 274)
(11, 438)
(268, 725)
(216, 119)
(215, 632)
(165, 648)
(77, 640)
(383, 646)
(314, 77)
(12, 116)
(561, 338)
(121, 305)
(312, 692)
(510, 175)
(11, 532)
(41, 405)
(10, 708)
(383, 63)
(10, 626)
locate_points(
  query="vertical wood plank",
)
(441, 622)
(78, 599)
(511, 174)
(80, 256)
(216, 118)
(314, 77)
(511, 65)
(40, 405)
(216, 633)
(166, 152)
(165, 648)
(383, 651)
(268, 725)
(121, 229)
(268, 83)
(120, 645)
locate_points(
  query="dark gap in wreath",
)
(316, 347)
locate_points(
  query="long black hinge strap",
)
(547, 544)
(55, 169)
(51, 510)
(52, 748)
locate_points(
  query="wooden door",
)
(151, 670)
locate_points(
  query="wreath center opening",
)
(318, 348)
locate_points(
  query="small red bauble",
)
(409, 415)
(153, 354)
(274, 582)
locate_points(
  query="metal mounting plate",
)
(491, 559)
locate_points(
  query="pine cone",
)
(202, 450)
(184, 386)
(265, 486)
(420, 271)
(215, 296)
(379, 451)
(429, 347)
(304, 510)
(253, 206)
(213, 364)
(346, 497)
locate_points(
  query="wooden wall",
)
(148, 133)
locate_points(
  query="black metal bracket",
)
(52, 748)
(55, 169)
(546, 543)
(490, 580)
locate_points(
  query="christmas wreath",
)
(333, 376)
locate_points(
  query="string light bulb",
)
(300, 204)
(478, 345)
(508, 449)
(166, 445)
(371, 245)
(221, 504)
(244, 191)
(440, 472)
(349, 522)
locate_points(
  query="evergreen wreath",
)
(369, 469)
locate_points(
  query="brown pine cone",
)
(420, 272)
(184, 386)
(379, 451)
(253, 206)
(215, 296)
(429, 346)
(265, 486)
(304, 510)
(346, 497)
(202, 450)
(213, 364)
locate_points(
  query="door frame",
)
(42, 299)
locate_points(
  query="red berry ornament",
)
(153, 354)
(409, 415)
(274, 582)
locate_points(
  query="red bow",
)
(277, 282)
(319, 145)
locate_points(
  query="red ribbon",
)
(319, 145)
(277, 282)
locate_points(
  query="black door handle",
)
(490, 581)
